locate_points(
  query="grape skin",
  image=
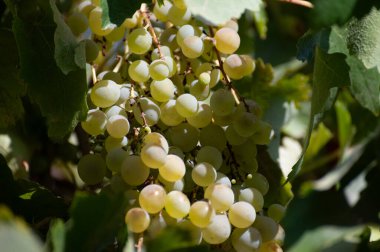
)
(152, 198)
(227, 40)
(137, 220)
(92, 169)
(218, 230)
(134, 171)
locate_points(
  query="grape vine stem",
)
(300, 2)
(144, 12)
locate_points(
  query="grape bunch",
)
(171, 131)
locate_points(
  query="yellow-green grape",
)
(252, 196)
(246, 124)
(208, 53)
(210, 155)
(184, 136)
(92, 50)
(95, 23)
(118, 126)
(139, 71)
(169, 115)
(165, 51)
(174, 168)
(125, 94)
(117, 184)
(105, 93)
(161, 11)
(224, 120)
(137, 220)
(151, 111)
(214, 77)
(85, 7)
(180, 4)
(178, 185)
(112, 143)
(220, 196)
(153, 156)
(204, 78)
(110, 75)
(92, 168)
(280, 236)
(222, 102)
(116, 34)
(232, 24)
(184, 32)
(172, 65)
(202, 118)
(159, 223)
(158, 70)
(221, 178)
(201, 213)
(203, 174)
(199, 90)
(157, 139)
(176, 151)
(270, 246)
(115, 159)
(241, 214)
(178, 16)
(95, 123)
(276, 212)
(259, 182)
(267, 227)
(163, 90)
(249, 64)
(78, 23)
(233, 137)
(218, 230)
(168, 38)
(177, 205)
(192, 47)
(152, 198)
(130, 23)
(139, 41)
(213, 135)
(134, 171)
(246, 240)
(238, 66)
(186, 105)
(262, 136)
(227, 40)
(194, 231)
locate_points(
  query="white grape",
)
(241, 214)
(218, 230)
(134, 171)
(177, 205)
(137, 220)
(152, 198)
(203, 174)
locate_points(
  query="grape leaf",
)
(116, 11)
(215, 12)
(57, 235)
(61, 98)
(11, 87)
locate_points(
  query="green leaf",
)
(261, 20)
(61, 98)
(11, 86)
(318, 139)
(116, 11)
(345, 128)
(57, 235)
(95, 221)
(217, 12)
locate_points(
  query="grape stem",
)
(140, 242)
(118, 65)
(300, 2)
(144, 12)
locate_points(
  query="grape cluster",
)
(170, 129)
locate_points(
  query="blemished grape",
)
(184, 136)
(202, 118)
(210, 155)
(161, 11)
(192, 47)
(218, 230)
(118, 126)
(95, 123)
(139, 71)
(134, 171)
(186, 105)
(222, 102)
(246, 240)
(173, 169)
(169, 114)
(220, 196)
(137, 220)
(178, 16)
(201, 213)
(259, 182)
(139, 41)
(95, 23)
(203, 174)
(177, 205)
(92, 169)
(162, 90)
(252, 196)
(158, 70)
(276, 212)
(92, 50)
(152, 198)
(151, 111)
(115, 159)
(157, 139)
(241, 214)
(227, 40)
(153, 156)
(105, 93)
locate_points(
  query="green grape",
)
(192, 47)
(208, 53)
(153, 156)
(117, 184)
(253, 107)
(210, 155)
(168, 38)
(232, 24)
(165, 51)
(184, 136)
(238, 66)
(172, 186)
(139, 41)
(152, 198)
(137, 220)
(92, 50)
(262, 136)
(92, 169)
(222, 179)
(117, 126)
(241, 214)
(246, 124)
(132, 22)
(162, 90)
(110, 75)
(202, 118)
(180, 4)
(233, 137)
(276, 212)
(178, 16)
(201, 213)
(115, 159)
(177, 205)
(171, 64)
(205, 67)
(184, 32)
(249, 64)
(222, 102)
(204, 78)
(174, 168)
(218, 230)
(112, 143)
(267, 227)
(200, 91)
(159, 223)
(224, 120)
(116, 34)
(161, 11)
(77, 22)
(169, 114)
(186, 105)
(125, 94)
(213, 135)
(252, 196)
(85, 7)
(246, 153)
(227, 40)
(105, 93)
(157, 139)
(203, 174)
(280, 236)
(246, 240)
(270, 246)
(95, 123)
(194, 231)
(139, 71)
(214, 77)
(134, 171)
(151, 111)
(221, 196)
(158, 70)
(259, 182)
(95, 23)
